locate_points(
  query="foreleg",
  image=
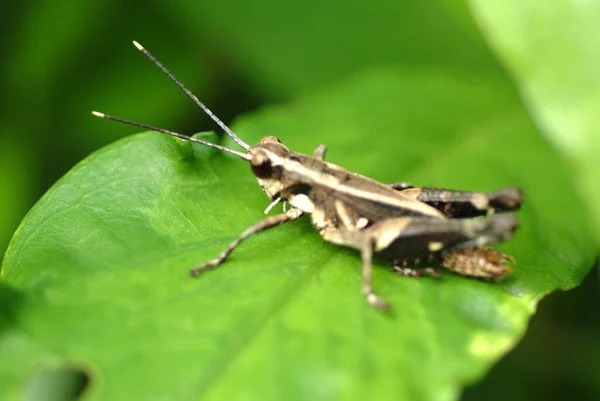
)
(269, 222)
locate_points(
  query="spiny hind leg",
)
(466, 203)
(455, 244)
(417, 237)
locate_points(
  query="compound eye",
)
(262, 167)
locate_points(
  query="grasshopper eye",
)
(262, 166)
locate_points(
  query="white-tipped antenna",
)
(175, 134)
(185, 90)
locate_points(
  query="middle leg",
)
(362, 241)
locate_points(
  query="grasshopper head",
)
(267, 161)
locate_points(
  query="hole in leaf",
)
(59, 383)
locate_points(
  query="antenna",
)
(175, 134)
(185, 90)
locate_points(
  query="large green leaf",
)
(103, 256)
(551, 47)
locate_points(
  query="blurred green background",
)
(60, 60)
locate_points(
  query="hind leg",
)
(466, 203)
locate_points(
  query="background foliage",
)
(63, 59)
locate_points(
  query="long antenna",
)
(175, 134)
(185, 90)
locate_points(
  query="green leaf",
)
(551, 47)
(103, 256)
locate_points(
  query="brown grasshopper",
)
(407, 227)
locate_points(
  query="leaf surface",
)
(103, 256)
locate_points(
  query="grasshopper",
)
(415, 230)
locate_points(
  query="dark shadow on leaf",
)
(10, 301)
(58, 383)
